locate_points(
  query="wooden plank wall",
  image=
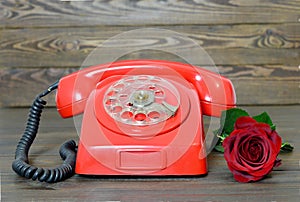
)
(253, 42)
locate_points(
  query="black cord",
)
(67, 151)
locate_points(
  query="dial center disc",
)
(142, 98)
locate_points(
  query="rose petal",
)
(229, 141)
(269, 164)
(276, 139)
(267, 160)
(252, 149)
(244, 177)
(229, 151)
(248, 162)
(272, 154)
(263, 171)
(244, 122)
(251, 165)
(263, 126)
(232, 156)
(277, 162)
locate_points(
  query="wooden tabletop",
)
(282, 185)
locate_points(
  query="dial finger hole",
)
(131, 80)
(129, 104)
(126, 115)
(159, 93)
(112, 93)
(123, 96)
(154, 115)
(116, 109)
(111, 101)
(119, 86)
(140, 117)
(152, 87)
(155, 80)
(143, 78)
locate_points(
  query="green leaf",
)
(229, 117)
(265, 118)
(220, 134)
(216, 132)
(227, 122)
(223, 136)
(219, 148)
(286, 147)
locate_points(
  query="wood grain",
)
(281, 185)
(254, 85)
(254, 43)
(54, 13)
(227, 45)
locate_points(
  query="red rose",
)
(251, 149)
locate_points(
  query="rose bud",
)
(251, 150)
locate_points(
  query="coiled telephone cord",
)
(67, 151)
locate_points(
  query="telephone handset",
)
(216, 93)
(140, 117)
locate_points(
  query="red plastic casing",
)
(174, 147)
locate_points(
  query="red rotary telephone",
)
(140, 117)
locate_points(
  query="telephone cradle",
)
(139, 117)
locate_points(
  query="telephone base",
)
(139, 161)
(175, 146)
(144, 177)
